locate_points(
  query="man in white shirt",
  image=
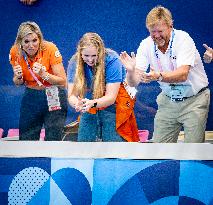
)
(175, 63)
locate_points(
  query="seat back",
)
(42, 134)
(13, 134)
(143, 135)
(1, 132)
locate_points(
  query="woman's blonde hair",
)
(26, 28)
(156, 14)
(98, 84)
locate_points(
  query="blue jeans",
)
(101, 125)
(34, 114)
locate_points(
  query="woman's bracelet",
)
(20, 78)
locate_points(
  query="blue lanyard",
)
(170, 53)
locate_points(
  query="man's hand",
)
(208, 55)
(149, 77)
(128, 61)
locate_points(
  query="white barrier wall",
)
(66, 173)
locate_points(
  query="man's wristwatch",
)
(94, 105)
(160, 78)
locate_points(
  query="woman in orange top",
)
(37, 64)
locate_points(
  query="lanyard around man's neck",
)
(170, 53)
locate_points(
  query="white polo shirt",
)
(181, 51)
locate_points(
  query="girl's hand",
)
(87, 104)
(79, 105)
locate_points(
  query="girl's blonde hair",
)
(26, 28)
(98, 84)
